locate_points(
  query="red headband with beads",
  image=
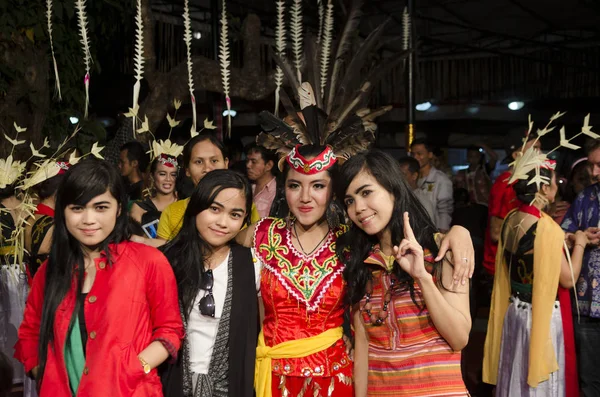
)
(322, 162)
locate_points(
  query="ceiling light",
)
(423, 106)
(226, 113)
(74, 120)
(197, 35)
(473, 109)
(516, 105)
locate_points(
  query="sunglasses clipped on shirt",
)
(207, 303)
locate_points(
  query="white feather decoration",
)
(225, 63)
(280, 48)
(87, 57)
(187, 36)
(326, 48)
(49, 18)
(296, 30)
(138, 58)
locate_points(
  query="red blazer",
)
(131, 304)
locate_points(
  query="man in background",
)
(133, 162)
(434, 184)
(584, 214)
(260, 168)
(410, 169)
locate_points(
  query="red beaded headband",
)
(322, 162)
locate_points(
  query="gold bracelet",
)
(145, 365)
(581, 245)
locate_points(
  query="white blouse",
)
(202, 330)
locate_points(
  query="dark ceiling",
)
(447, 28)
(470, 52)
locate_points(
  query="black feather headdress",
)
(331, 106)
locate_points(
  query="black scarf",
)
(243, 333)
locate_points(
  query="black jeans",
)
(587, 344)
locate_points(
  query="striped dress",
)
(407, 355)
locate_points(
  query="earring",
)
(289, 219)
(333, 217)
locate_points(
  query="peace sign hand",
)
(409, 254)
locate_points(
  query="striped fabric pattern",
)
(407, 355)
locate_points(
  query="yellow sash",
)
(547, 258)
(290, 349)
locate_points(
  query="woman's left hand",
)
(409, 254)
(458, 241)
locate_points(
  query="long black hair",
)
(80, 184)
(354, 246)
(188, 250)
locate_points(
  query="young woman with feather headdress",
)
(300, 348)
(529, 344)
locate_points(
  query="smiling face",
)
(308, 196)
(423, 156)
(92, 223)
(223, 219)
(164, 178)
(369, 205)
(205, 158)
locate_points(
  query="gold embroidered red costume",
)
(303, 297)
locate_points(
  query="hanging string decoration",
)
(138, 58)
(224, 58)
(296, 32)
(187, 37)
(87, 57)
(49, 20)
(321, 10)
(405, 29)
(326, 47)
(280, 49)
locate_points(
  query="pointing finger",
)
(408, 232)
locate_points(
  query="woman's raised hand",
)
(409, 254)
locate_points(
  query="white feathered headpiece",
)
(534, 160)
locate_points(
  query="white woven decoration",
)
(138, 58)
(321, 10)
(10, 169)
(280, 48)
(49, 20)
(87, 57)
(405, 29)
(531, 159)
(296, 31)
(225, 63)
(187, 36)
(326, 48)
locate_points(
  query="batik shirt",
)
(584, 213)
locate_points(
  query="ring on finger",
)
(465, 259)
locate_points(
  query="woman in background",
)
(163, 177)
